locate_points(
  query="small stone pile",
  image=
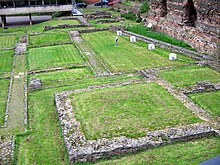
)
(35, 84)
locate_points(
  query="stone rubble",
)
(6, 149)
(35, 84)
(201, 86)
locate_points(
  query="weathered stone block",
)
(35, 84)
(132, 39)
(151, 46)
(119, 33)
(172, 56)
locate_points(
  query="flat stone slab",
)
(74, 33)
(17, 76)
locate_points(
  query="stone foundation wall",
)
(198, 25)
(126, 9)
(80, 149)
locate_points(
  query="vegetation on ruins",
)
(187, 76)
(64, 64)
(142, 30)
(209, 101)
(54, 56)
(128, 111)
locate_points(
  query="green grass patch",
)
(187, 76)
(128, 56)
(128, 111)
(72, 74)
(46, 141)
(105, 25)
(6, 60)
(140, 29)
(85, 80)
(187, 153)
(208, 101)
(49, 38)
(3, 99)
(8, 41)
(54, 56)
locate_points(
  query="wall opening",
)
(190, 13)
(163, 8)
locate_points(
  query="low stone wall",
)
(92, 30)
(6, 149)
(67, 18)
(2, 49)
(126, 9)
(168, 46)
(202, 86)
(50, 44)
(115, 28)
(63, 26)
(54, 69)
(98, 14)
(107, 21)
(81, 150)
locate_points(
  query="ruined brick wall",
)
(197, 22)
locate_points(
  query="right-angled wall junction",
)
(197, 22)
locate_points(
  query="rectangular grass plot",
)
(209, 101)
(127, 57)
(6, 61)
(54, 56)
(49, 38)
(128, 111)
(187, 76)
(3, 98)
(8, 41)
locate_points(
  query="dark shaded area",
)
(25, 3)
(190, 13)
(24, 20)
(163, 8)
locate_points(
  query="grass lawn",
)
(128, 56)
(54, 56)
(128, 110)
(209, 101)
(73, 74)
(49, 38)
(6, 60)
(45, 144)
(187, 76)
(142, 30)
(187, 153)
(8, 41)
(3, 99)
